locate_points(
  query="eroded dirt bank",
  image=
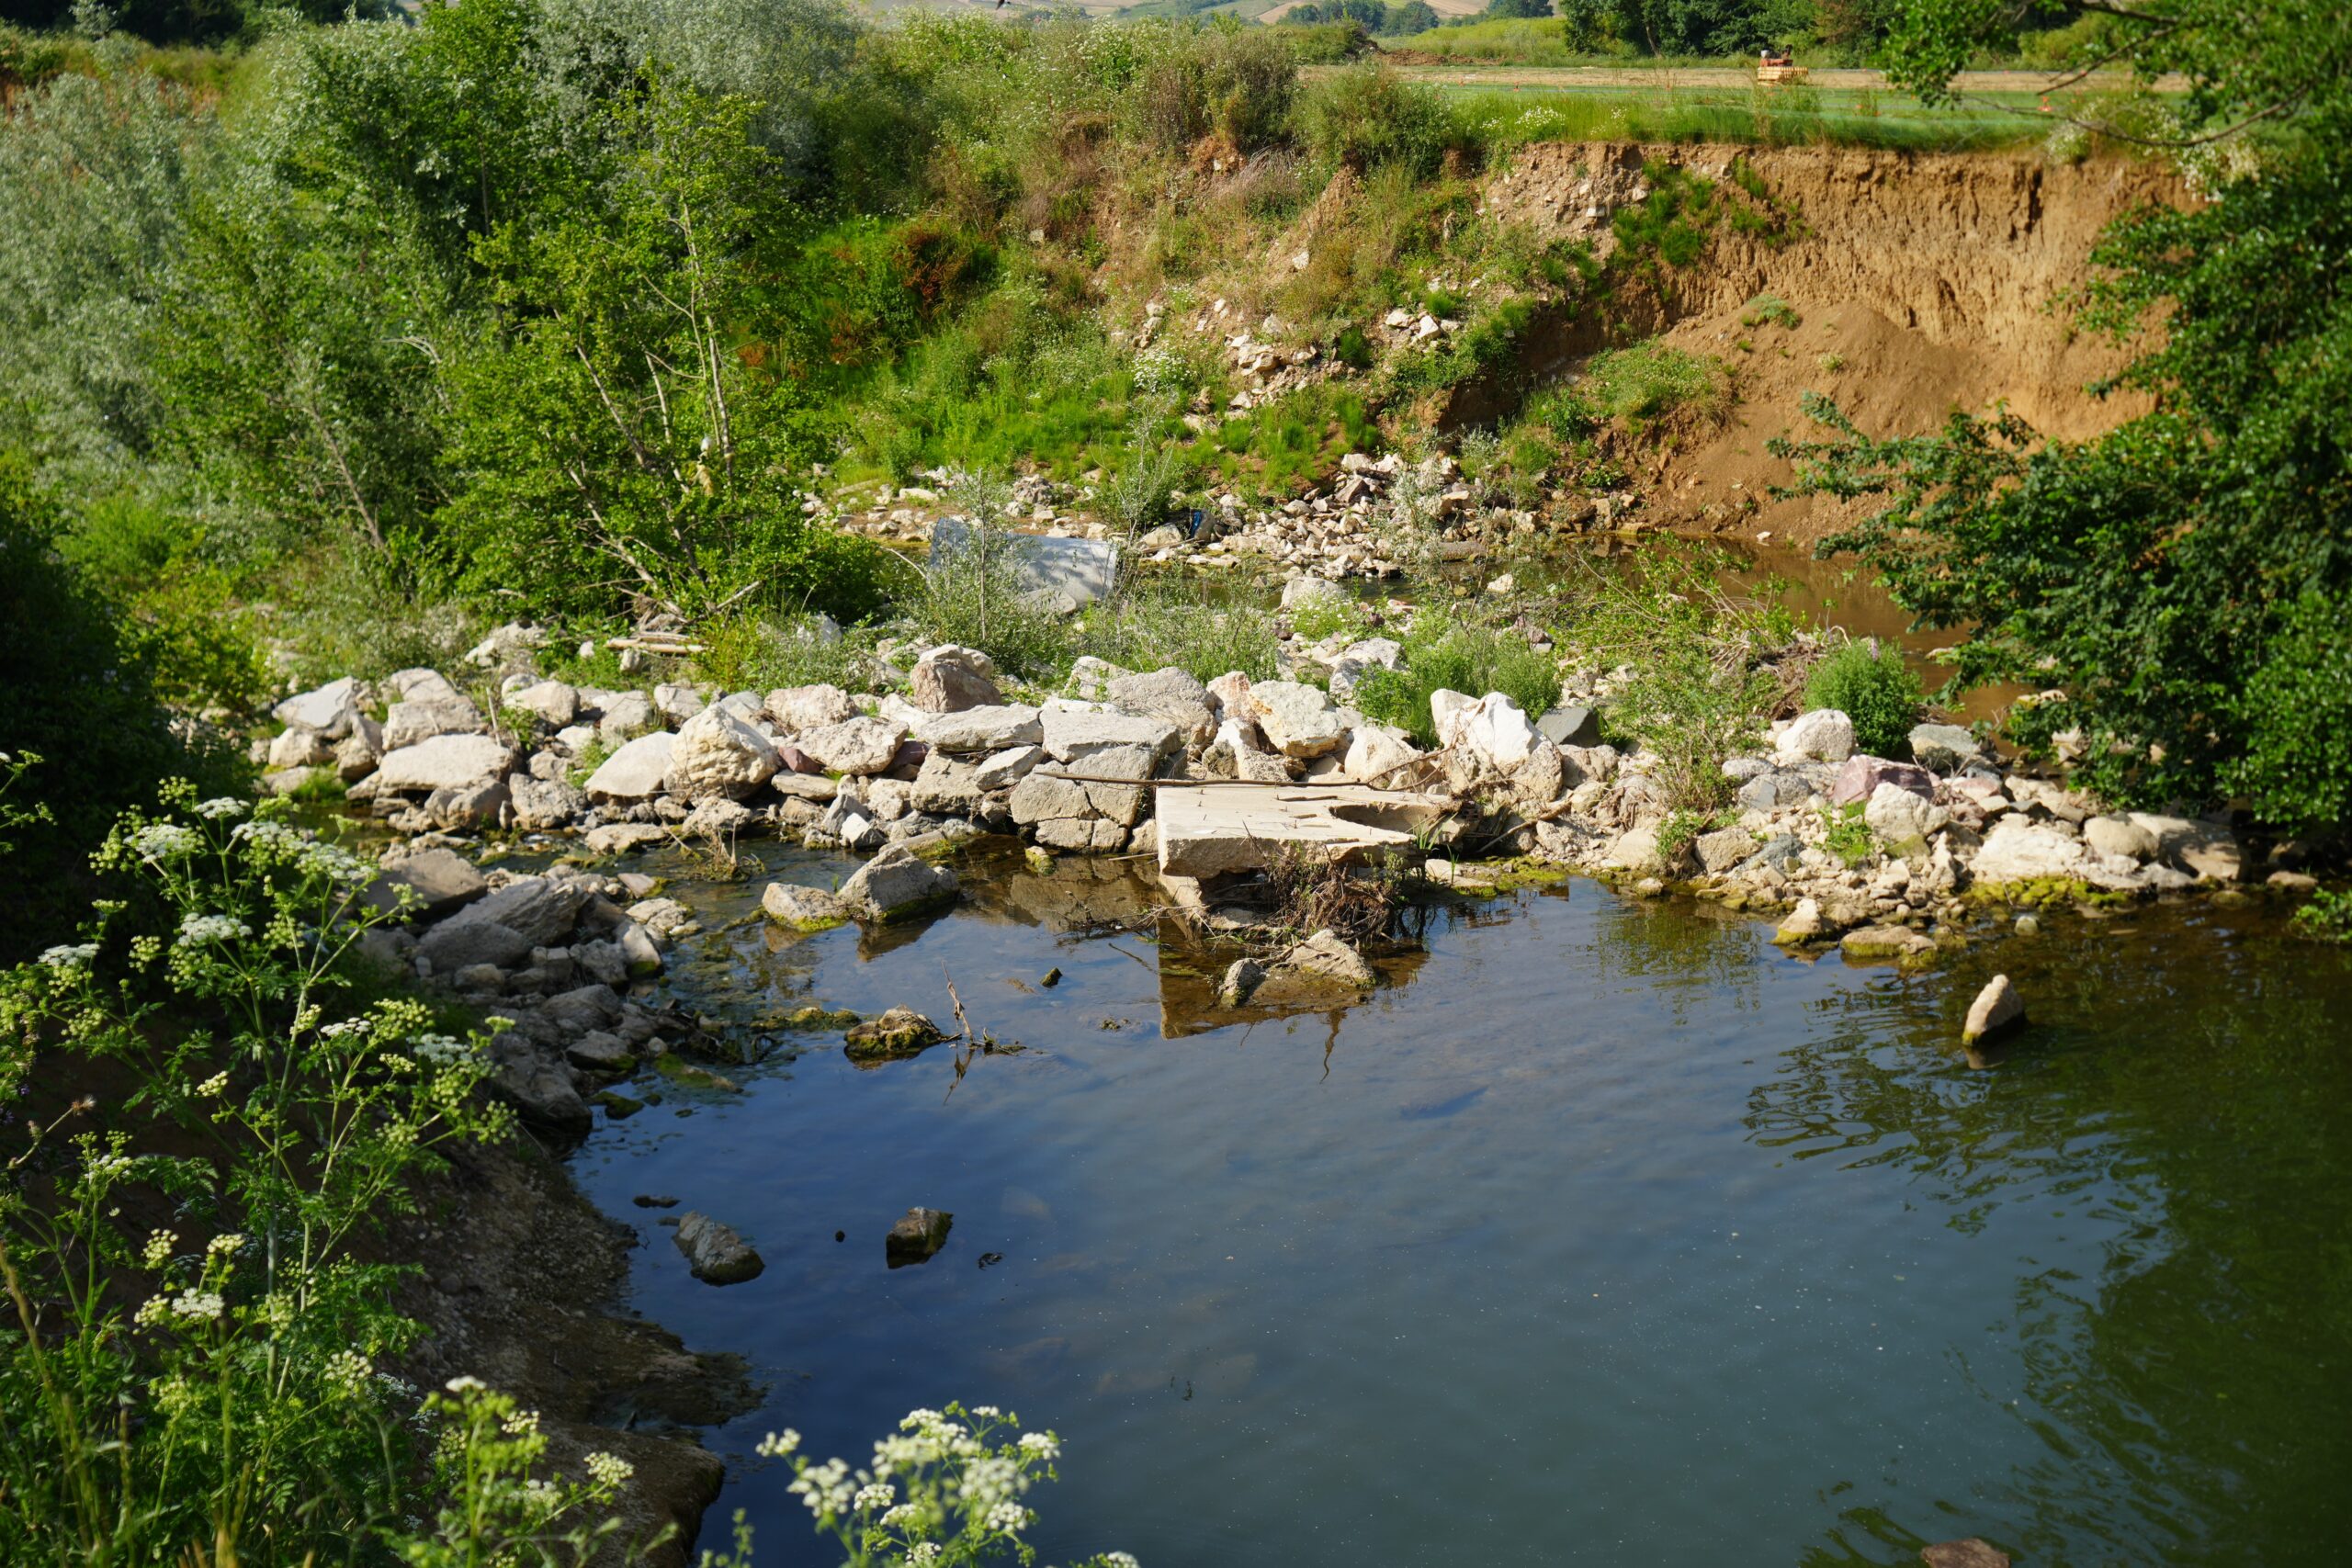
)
(1923, 283)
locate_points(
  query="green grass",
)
(1802, 117)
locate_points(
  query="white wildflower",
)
(874, 1494)
(1041, 1444)
(1120, 1560)
(441, 1050)
(465, 1385)
(608, 1469)
(825, 1488)
(210, 1089)
(924, 1552)
(161, 841)
(158, 1248)
(269, 836)
(153, 1310)
(335, 862)
(348, 1026)
(893, 1518)
(199, 930)
(1010, 1517)
(521, 1424)
(225, 1242)
(77, 957)
(349, 1370)
(775, 1445)
(986, 1412)
(219, 807)
(206, 1304)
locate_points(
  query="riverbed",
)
(1602, 1232)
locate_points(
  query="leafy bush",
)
(2327, 917)
(1871, 683)
(1366, 115)
(1200, 633)
(1771, 308)
(1846, 836)
(2296, 708)
(1451, 653)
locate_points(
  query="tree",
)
(2180, 577)
(617, 437)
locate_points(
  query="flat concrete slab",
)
(1213, 829)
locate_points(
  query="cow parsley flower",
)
(874, 1494)
(77, 957)
(158, 1248)
(465, 1385)
(1041, 1444)
(220, 806)
(441, 1050)
(1010, 1517)
(775, 1445)
(608, 1469)
(211, 1088)
(225, 1242)
(349, 1370)
(165, 841)
(201, 930)
(205, 1305)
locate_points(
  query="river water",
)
(1603, 1231)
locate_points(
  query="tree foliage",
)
(2169, 574)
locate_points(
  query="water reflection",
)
(1601, 1232)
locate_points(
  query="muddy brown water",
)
(1602, 1232)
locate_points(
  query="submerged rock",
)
(1969, 1553)
(715, 1254)
(802, 907)
(917, 1238)
(1996, 1009)
(897, 885)
(1242, 980)
(896, 1035)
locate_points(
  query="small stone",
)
(1804, 924)
(2028, 925)
(897, 885)
(1570, 727)
(802, 907)
(917, 1238)
(1050, 978)
(1241, 979)
(1945, 748)
(899, 1033)
(714, 1252)
(1997, 1008)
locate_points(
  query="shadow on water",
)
(1602, 1232)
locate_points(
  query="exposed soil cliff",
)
(1923, 283)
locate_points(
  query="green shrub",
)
(1846, 836)
(1191, 629)
(1873, 684)
(1366, 115)
(2296, 710)
(2328, 916)
(1771, 308)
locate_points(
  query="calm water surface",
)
(1603, 1233)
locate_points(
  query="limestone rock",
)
(802, 907)
(1072, 735)
(1242, 980)
(1374, 752)
(1089, 678)
(481, 803)
(1824, 734)
(620, 838)
(943, 680)
(858, 747)
(407, 722)
(1007, 768)
(945, 787)
(1298, 720)
(677, 703)
(539, 1087)
(715, 1254)
(1885, 941)
(798, 709)
(1804, 924)
(1901, 818)
(454, 945)
(329, 709)
(1493, 729)
(1300, 592)
(1945, 748)
(897, 885)
(1170, 695)
(444, 762)
(986, 728)
(356, 754)
(2021, 850)
(636, 771)
(1325, 954)
(1997, 1008)
(538, 805)
(1861, 777)
(421, 685)
(1775, 788)
(899, 1033)
(2119, 836)
(552, 701)
(628, 715)
(1968, 1552)
(1571, 726)
(440, 881)
(299, 746)
(1725, 848)
(719, 753)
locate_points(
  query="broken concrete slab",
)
(1212, 830)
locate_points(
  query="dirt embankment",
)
(1923, 283)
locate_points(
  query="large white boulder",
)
(444, 762)
(802, 708)
(636, 772)
(1493, 729)
(718, 752)
(993, 729)
(859, 746)
(1074, 731)
(328, 709)
(1824, 734)
(1298, 720)
(2020, 850)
